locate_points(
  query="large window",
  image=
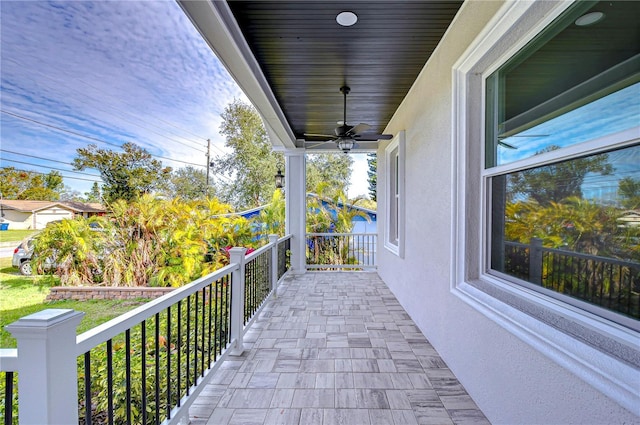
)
(394, 232)
(562, 162)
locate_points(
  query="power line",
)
(48, 167)
(36, 157)
(89, 137)
(66, 177)
(137, 118)
(59, 128)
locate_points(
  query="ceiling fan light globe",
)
(345, 145)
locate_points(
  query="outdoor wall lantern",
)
(279, 179)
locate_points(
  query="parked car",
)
(23, 255)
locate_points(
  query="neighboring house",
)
(25, 214)
(630, 218)
(524, 353)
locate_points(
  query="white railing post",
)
(236, 255)
(273, 239)
(47, 366)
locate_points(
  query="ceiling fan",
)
(347, 136)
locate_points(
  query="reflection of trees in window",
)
(629, 193)
(546, 203)
(556, 182)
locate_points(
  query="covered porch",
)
(334, 348)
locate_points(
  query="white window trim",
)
(397, 142)
(502, 302)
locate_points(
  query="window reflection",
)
(611, 114)
(573, 227)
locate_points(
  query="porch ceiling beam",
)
(218, 27)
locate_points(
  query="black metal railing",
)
(148, 365)
(330, 251)
(606, 282)
(144, 373)
(257, 282)
(284, 256)
(9, 395)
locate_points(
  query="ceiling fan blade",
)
(373, 137)
(312, 144)
(320, 135)
(359, 128)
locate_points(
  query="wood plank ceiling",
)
(306, 56)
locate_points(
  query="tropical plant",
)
(72, 246)
(272, 216)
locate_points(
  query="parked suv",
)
(22, 257)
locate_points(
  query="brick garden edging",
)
(82, 293)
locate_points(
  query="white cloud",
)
(117, 71)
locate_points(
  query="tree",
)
(188, 183)
(556, 182)
(20, 184)
(629, 191)
(332, 169)
(251, 164)
(94, 194)
(372, 161)
(126, 175)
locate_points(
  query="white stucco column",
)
(296, 206)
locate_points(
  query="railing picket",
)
(188, 343)
(195, 339)
(209, 326)
(87, 388)
(157, 369)
(8, 398)
(169, 362)
(127, 355)
(179, 350)
(204, 294)
(216, 319)
(143, 360)
(109, 382)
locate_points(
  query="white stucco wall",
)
(511, 381)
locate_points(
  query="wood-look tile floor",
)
(334, 348)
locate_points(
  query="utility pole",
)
(208, 165)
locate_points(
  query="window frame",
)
(395, 199)
(599, 351)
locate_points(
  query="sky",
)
(110, 72)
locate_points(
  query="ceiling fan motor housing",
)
(342, 129)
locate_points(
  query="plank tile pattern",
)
(335, 348)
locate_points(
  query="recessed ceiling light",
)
(346, 19)
(589, 19)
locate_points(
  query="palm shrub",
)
(149, 242)
(73, 247)
(272, 216)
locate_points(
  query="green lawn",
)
(15, 235)
(21, 296)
